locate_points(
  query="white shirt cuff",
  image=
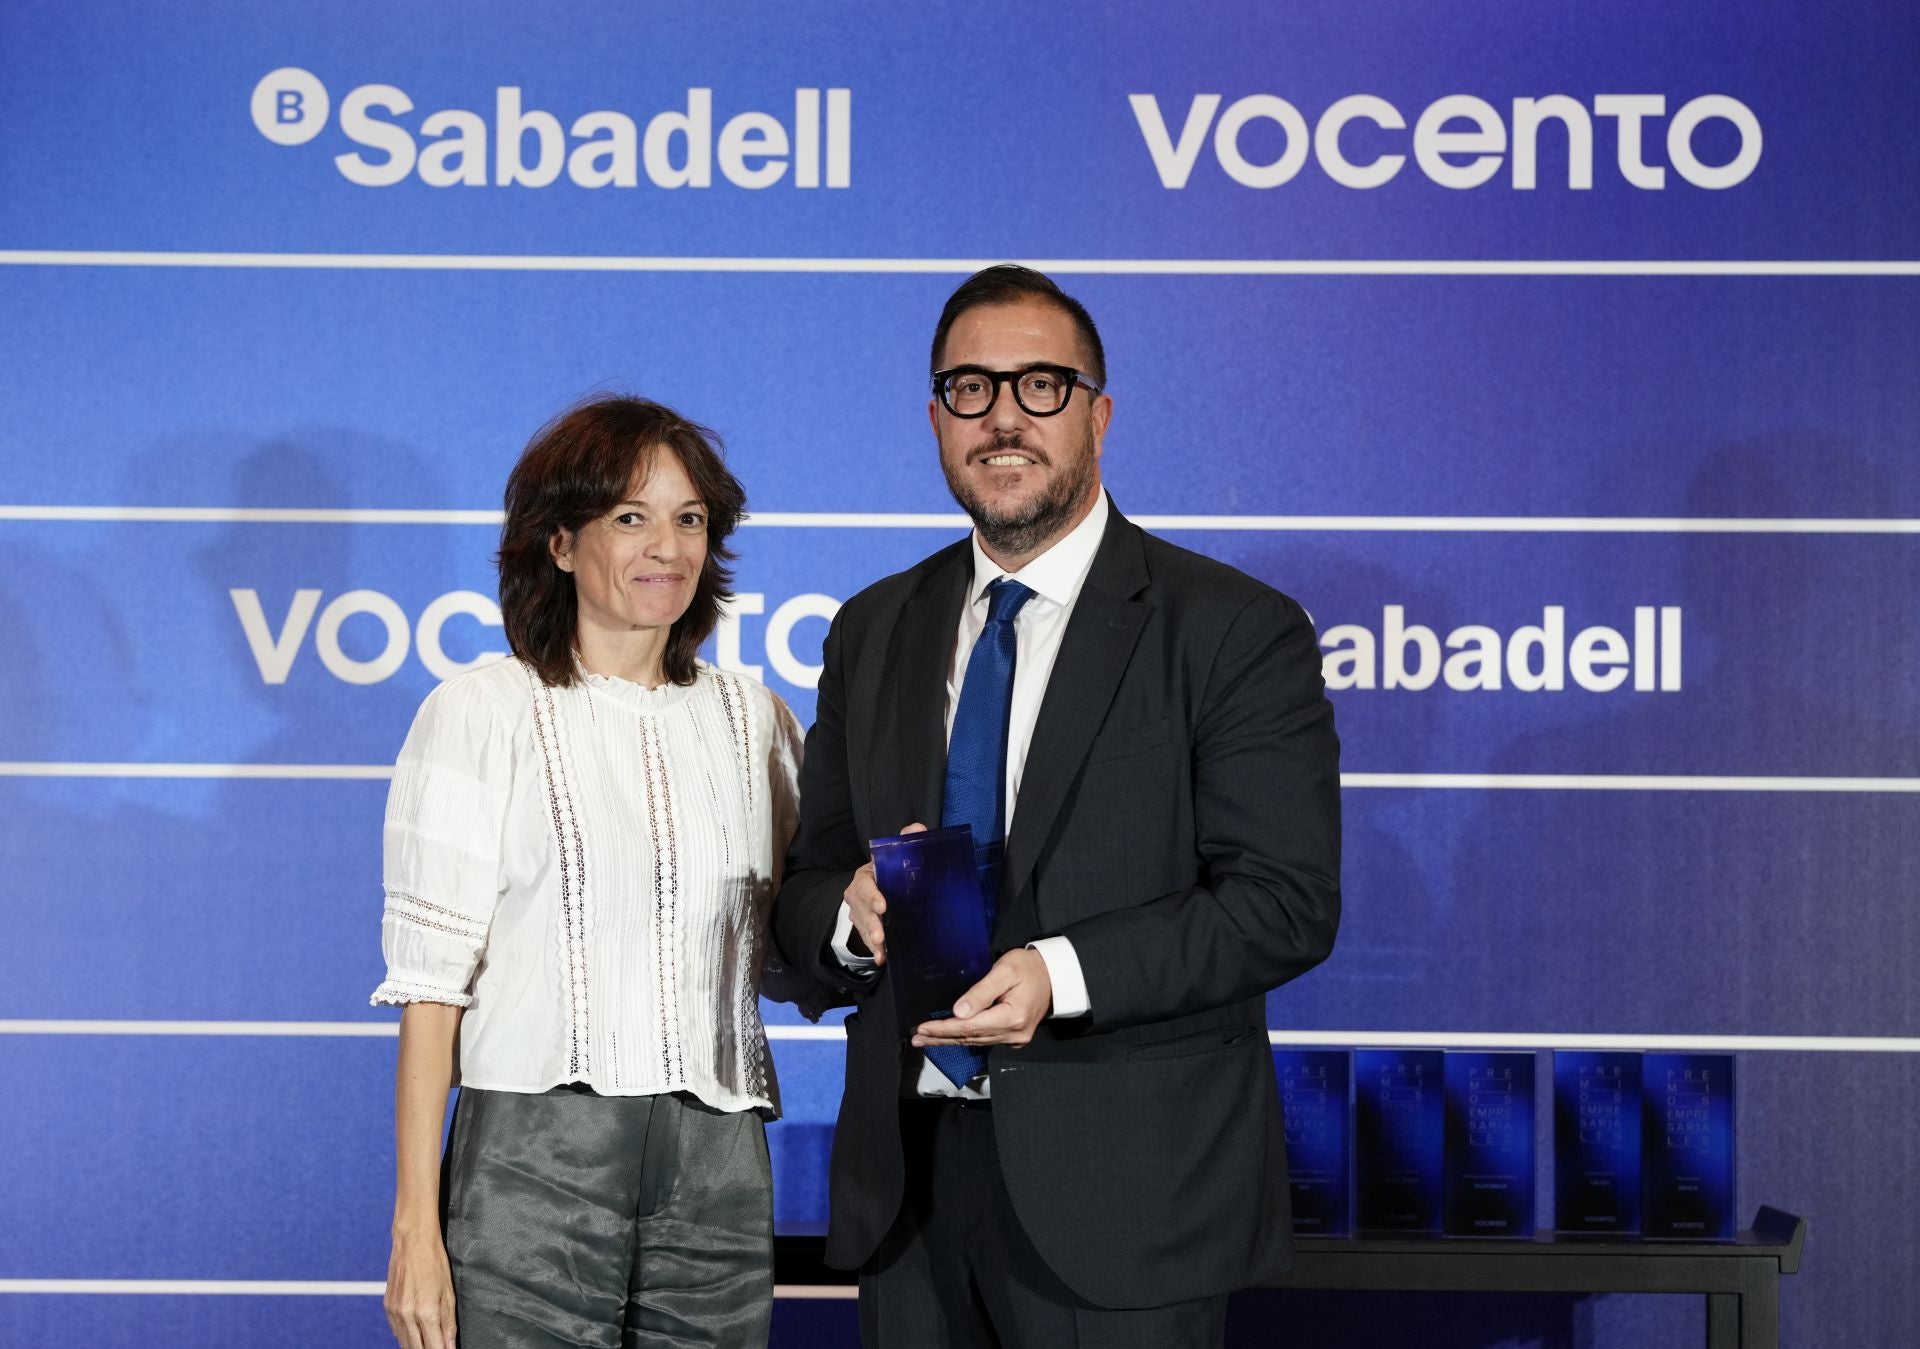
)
(842, 944)
(1063, 971)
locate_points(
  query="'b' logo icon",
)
(289, 106)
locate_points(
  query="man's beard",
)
(1022, 529)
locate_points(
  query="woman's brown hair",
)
(576, 469)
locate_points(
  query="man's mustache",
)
(1004, 441)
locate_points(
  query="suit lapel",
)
(1094, 652)
(917, 666)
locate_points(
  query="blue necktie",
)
(976, 787)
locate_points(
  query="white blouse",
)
(588, 872)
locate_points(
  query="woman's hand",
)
(420, 1291)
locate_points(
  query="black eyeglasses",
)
(1040, 390)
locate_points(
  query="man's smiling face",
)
(1025, 480)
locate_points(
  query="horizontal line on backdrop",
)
(245, 515)
(359, 1030)
(1624, 782)
(351, 772)
(1334, 524)
(202, 1287)
(299, 1288)
(370, 1030)
(1688, 1044)
(1534, 782)
(521, 262)
(1851, 1044)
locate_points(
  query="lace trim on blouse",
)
(571, 848)
(417, 912)
(398, 992)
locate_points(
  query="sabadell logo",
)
(515, 145)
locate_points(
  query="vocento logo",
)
(529, 147)
(1459, 141)
(385, 635)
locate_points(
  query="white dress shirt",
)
(1055, 578)
(588, 871)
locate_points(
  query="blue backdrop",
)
(283, 303)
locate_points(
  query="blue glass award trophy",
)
(1489, 1191)
(1313, 1102)
(1596, 1143)
(1399, 1112)
(1688, 1144)
(938, 945)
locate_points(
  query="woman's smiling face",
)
(638, 566)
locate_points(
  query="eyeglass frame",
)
(1068, 375)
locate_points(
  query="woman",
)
(582, 844)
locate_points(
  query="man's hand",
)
(1004, 1008)
(866, 905)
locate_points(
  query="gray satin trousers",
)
(625, 1222)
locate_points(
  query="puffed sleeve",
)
(445, 815)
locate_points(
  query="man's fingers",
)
(993, 984)
(979, 1010)
(986, 1028)
(872, 930)
(1006, 1005)
(915, 828)
(865, 905)
(864, 891)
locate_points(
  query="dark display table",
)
(1740, 1279)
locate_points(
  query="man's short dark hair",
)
(1009, 283)
(576, 469)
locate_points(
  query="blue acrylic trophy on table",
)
(1489, 1189)
(938, 942)
(1596, 1142)
(1314, 1105)
(1399, 1140)
(1688, 1147)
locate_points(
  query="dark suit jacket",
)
(1178, 821)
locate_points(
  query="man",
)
(1089, 1152)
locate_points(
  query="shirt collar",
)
(1058, 573)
